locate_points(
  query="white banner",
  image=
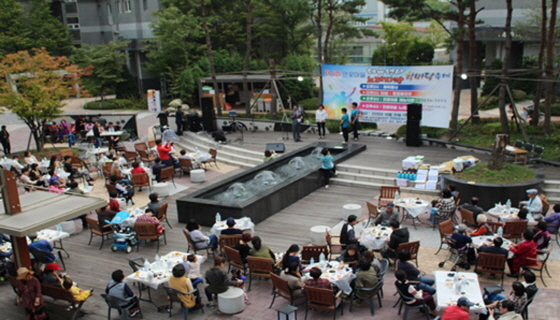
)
(154, 103)
(383, 92)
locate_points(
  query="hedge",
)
(109, 104)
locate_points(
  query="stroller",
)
(457, 256)
(125, 237)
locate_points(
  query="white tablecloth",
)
(199, 156)
(478, 241)
(505, 214)
(244, 223)
(9, 163)
(446, 295)
(159, 272)
(414, 207)
(106, 133)
(47, 234)
(96, 151)
(339, 277)
(375, 238)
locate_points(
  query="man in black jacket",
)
(399, 235)
(473, 207)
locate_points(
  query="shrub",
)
(519, 95)
(309, 104)
(490, 128)
(490, 103)
(109, 104)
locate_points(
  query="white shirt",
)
(321, 115)
(534, 206)
(30, 160)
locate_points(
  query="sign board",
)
(154, 103)
(383, 92)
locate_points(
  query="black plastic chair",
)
(122, 306)
(519, 144)
(174, 295)
(529, 147)
(525, 308)
(407, 307)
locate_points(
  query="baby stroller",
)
(125, 237)
(457, 256)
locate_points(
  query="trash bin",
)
(162, 116)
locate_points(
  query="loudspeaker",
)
(277, 147)
(413, 133)
(414, 111)
(208, 115)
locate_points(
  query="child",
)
(114, 204)
(78, 294)
(239, 279)
(194, 268)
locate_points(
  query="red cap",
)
(52, 266)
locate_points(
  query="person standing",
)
(344, 124)
(29, 294)
(355, 116)
(327, 166)
(321, 118)
(297, 116)
(5, 141)
(97, 134)
(179, 120)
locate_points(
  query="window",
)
(145, 4)
(126, 6)
(72, 20)
(110, 13)
(118, 5)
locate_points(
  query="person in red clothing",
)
(316, 281)
(163, 152)
(521, 252)
(136, 168)
(114, 204)
(482, 228)
(458, 312)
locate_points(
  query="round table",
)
(351, 208)
(375, 238)
(317, 235)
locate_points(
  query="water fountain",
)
(264, 190)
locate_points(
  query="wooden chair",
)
(445, 230)
(540, 263)
(148, 231)
(333, 248)
(140, 180)
(186, 165)
(91, 169)
(375, 291)
(234, 259)
(372, 211)
(545, 204)
(556, 233)
(513, 230)
(167, 175)
(106, 168)
(146, 157)
(446, 215)
(228, 241)
(259, 267)
(141, 146)
(308, 252)
(130, 156)
(95, 230)
(324, 299)
(491, 263)
(467, 217)
(412, 247)
(494, 226)
(152, 143)
(66, 152)
(162, 214)
(174, 295)
(213, 152)
(281, 288)
(192, 244)
(110, 187)
(77, 162)
(387, 194)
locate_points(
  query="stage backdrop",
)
(383, 92)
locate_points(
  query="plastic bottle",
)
(322, 257)
(397, 196)
(508, 204)
(196, 149)
(458, 288)
(500, 232)
(218, 217)
(311, 261)
(146, 265)
(59, 228)
(157, 257)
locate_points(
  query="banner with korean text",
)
(383, 92)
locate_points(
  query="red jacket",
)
(163, 151)
(524, 250)
(455, 313)
(137, 170)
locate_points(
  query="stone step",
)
(385, 180)
(377, 186)
(367, 170)
(552, 184)
(200, 140)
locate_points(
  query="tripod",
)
(285, 121)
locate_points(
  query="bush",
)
(431, 132)
(519, 95)
(309, 104)
(555, 109)
(111, 104)
(490, 128)
(490, 103)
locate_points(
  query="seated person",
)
(117, 288)
(369, 256)
(181, 283)
(217, 279)
(124, 190)
(41, 245)
(413, 275)
(459, 311)
(553, 219)
(494, 247)
(444, 207)
(542, 236)
(291, 256)
(261, 251)
(316, 281)
(398, 236)
(243, 246)
(231, 230)
(136, 168)
(148, 217)
(154, 204)
(50, 275)
(522, 214)
(473, 207)
(350, 256)
(26, 179)
(482, 228)
(347, 232)
(156, 168)
(533, 204)
(200, 240)
(530, 283)
(365, 278)
(74, 173)
(77, 293)
(269, 155)
(387, 215)
(29, 158)
(105, 214)
(460, 238)
(517, 296)
(194, 263)
(114, 204)
(507, 311)
(411, 296)
(521, 252)
(293, 276)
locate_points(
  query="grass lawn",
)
(509, 174)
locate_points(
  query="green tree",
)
(107, 61)
(35, 85)
(299, 90)
(398, 39)
(435, 35)
(45, 30)
(420, 53)
(13, 37)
